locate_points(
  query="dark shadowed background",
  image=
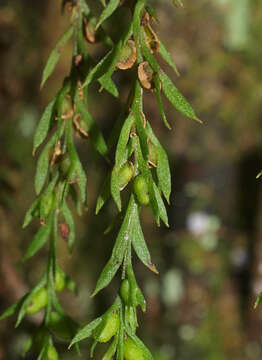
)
(200, 307)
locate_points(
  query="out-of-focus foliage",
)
(201, 306)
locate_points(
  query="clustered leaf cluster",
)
(139, 167)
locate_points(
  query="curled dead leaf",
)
(64, 230)
(150, 36)
(145, 75)
(127, 56)
(89, 31)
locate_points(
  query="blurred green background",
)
(210, 260)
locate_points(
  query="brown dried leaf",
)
(150, 36)
(78, 59)
(127, 56)
(145, 75)
(89, 31)
(64, 230)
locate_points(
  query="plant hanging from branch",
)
(137, 157)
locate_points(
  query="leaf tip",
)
(198, 120)
(152, 267)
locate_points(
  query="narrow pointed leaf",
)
(27, 299)
(31, 212)
(55, 54)
(258, 301)
(43, 125)
(123, 140)
(43, 165)
(81, 180)
(146, 353)
(139, 243)
(71, 224)
(163, 172)
(122, 242)
(161, 206)
(99, 69)
(139, 8)
(108, 11)
(176, 98)
(85, 332)
(115, 189)
(39, 240)
(96, 137)
(111, 350)
(12, 309)
(159, 102)
(167, 57)
(108, 84)
(104, 195)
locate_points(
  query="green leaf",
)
(176, 98)
(27, 346)
(163, 172)
(146, 353)
(96, 137)
(27, 299)
(122, 241)
(99, 69)
(85, 332)
(43, 125)
(258, 300)
(149, 57)
(116, 51)
(167, 57)
(44, 350)
(138, 113)
(31, 212)
(161, 206)
(115, 189)
(71, 224)
(108, 84)
(104, 195)
(12, 309)
(143, 167)
(139, 7)
(120, 157)
(163, 169)
(81, 180)
(111, 350)
(55, 54)
(43, 165)
(107, 12)
(107, 274)
(139, 243)
(107, 64)
(40, 239)
(159, 101)
(120, 345)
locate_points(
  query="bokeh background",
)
(210, 260)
